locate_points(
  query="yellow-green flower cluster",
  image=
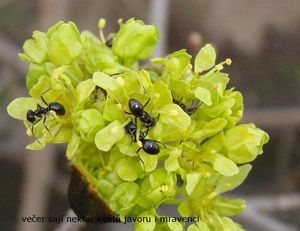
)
(196, 128)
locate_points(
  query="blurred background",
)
(261, 37)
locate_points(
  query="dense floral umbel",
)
(200, 141)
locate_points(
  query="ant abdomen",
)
(150, 147)
(57, 108)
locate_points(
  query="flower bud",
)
(135, 40)
(35, 50)
(244, 142)
(64, 43)
(88, 123)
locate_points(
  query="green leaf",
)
(173, 114)
(205, 59)
(73, 146)
(180, 88)
(113, 87)
(88, 122)
(113, 111)
(64, 43)
(209, 129)
(175, 226)
(35, 50)
(229, 225)
(228, 183)
(214, 144)
(185, 209)
(145, 79)
(160, 95)
(145, 226)
(229, 207)
(193, 227)
(150, 161)
(108, 136)
(222, 164)
(192, 179)
(127, 190)
(84, 89)
(128, 169)
(244, 142)
(203, 226)
(171, 164)
(135, 40)
(203, 95)
(18, 108)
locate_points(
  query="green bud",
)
(244, 142)
(37, 71)
(35, 50)
(175, 65)
(88, 123)
(135, 40)
(205, 59)
(64, 43)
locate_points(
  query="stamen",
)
(120, 20)
(228, 61)
(219, 67)
(101, 23)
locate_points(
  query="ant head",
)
(30, 116)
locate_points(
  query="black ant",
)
(36, 115)
(131, 129)
(188, 110)
(109, 42)
(149, 146)
(137, 109)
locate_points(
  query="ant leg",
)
(157, 118)
(118, 73)
(44, 100)
(38, 106)
(135, 120)
(137, 152)
(129, 113)
(32, 130)
(161, 143)
(146, 102)
(46, 126)
(146, 133)
(46, 92)
(141, 160)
